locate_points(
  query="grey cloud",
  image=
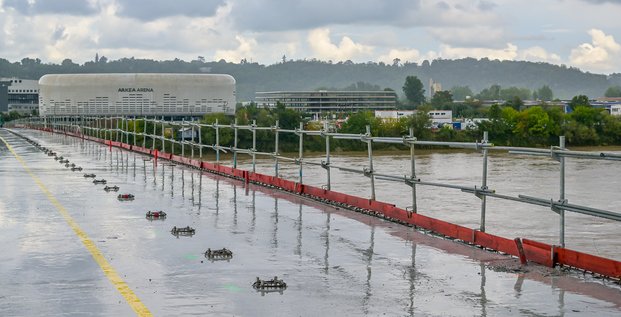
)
(155, 9)
(71, 7)
(59, 33)
(303, 14)
(443, 5)
(486, 5)
(603, 1)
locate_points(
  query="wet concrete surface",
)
(335, 262)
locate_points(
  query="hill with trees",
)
(466, 75)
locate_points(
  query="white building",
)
(136, 94)
(438, 117)
(393, 114)
(21, 95)
(328, 101)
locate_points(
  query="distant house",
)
(187, 134)
(438, 117)
(393, 114)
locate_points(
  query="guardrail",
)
(117, 129)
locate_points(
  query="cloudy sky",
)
(581, 33)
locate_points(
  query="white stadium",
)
(136, 94)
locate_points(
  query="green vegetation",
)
(470, 73)
(414, 91)
(613, 92)
(534, 126)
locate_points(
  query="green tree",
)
(613, 91)
(512, 92)
(494, 112)
(461, 92)
(534, 126)
(544, 93)
(491, 93)
(441, 98)
(580, 100)
(420, 121)
(515, 102)
(413, 90)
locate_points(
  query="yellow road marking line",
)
(139, 308)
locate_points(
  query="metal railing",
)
(117, 128)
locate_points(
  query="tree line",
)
(477, 74)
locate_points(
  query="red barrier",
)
(538, 252)
(589, 262)
(533, 251)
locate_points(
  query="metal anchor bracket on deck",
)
(368, 172)
(479, 192)
(554, 152)
(554, 205)
(411, 181)
(325, 165)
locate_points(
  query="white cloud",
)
(323, 48)
(244, 50)
(405, 55)
(602, 54)
(605, 41)
(510, 52)
(538, 54)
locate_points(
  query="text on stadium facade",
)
(135, 89)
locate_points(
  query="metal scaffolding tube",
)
(413, 171)
(235, 144)
(301, 151)
(483, 184)
(254, 145)
(276, 136)
(217, 127)
(562, 194)
(80, 125)
(370, 171)
(326, 164)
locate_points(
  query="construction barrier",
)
(525, 249)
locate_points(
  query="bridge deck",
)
(334, 262)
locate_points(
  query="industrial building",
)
(21, 95)
(328, 101)
(187, 95)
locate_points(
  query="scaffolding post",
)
(254, 145)
(144, 134)
(327, 163)
(484, 183)
(370, 171)
(276, 136)
(126, 130)
(200, 142)
(413, 172)
(154, 133)
(163, 137)
(562, 194)
(217, 143)
(134, 123)
(235, 144)
(192, 145)
(301, 152)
